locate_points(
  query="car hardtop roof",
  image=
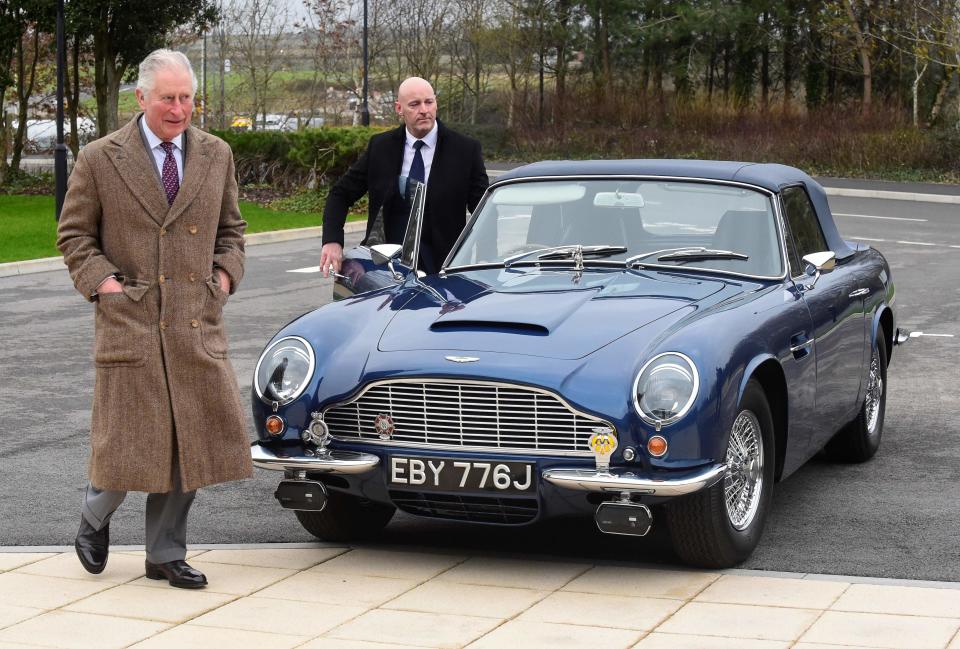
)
(765, 175)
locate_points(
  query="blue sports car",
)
(640, 342)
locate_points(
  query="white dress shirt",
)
(159, 154)
(426, 152)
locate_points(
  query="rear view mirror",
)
(618, 199)
(383, 253)
(817, 264)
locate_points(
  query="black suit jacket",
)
(457, 180)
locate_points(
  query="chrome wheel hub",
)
(874, 394)
(743, 483)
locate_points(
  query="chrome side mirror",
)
(385, 254)
(817, 264)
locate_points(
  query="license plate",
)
(448, 474)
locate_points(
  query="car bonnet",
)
(541, 313)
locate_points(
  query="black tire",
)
(859, 440)
(346, 518)
(703, 531)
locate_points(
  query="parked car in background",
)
(637, 342)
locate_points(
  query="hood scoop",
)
(530, 328)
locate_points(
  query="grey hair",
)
(159, 60)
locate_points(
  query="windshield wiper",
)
(576, 253)
(698, 253)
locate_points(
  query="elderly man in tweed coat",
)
(152, 235)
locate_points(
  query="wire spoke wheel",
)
(874, 394)
(743, 483)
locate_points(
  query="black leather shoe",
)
(92, 546)
(178, 573)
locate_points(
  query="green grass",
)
(28, 229)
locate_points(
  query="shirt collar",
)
(155, 141)
(430, 139)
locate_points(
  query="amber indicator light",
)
(274, 425)
(657, 446)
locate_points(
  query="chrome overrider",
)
(627, 481)
(327, 461)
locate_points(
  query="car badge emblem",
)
(462, 359)
(383, 425)
(603, 443)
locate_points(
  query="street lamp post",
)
(365, 108)
(60, 151)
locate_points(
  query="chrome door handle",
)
(859, 292)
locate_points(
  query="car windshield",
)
(683, 224)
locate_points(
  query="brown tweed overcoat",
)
(165, 391)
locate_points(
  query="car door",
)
(837, 312)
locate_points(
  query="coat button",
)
(162, 279)
(163, 231)
(192, 229)
(163, 325)
(193, 277)
(194, 323)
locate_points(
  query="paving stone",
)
(69, 630)
(161, 604)
(739, 621)
(437, 596)
(767, 591)
(413, 628)
(289, 558)
(189, 636)
(10, 615)
(120, 569)
(348, 590)
(388, 563)
(615, 611)
(38, 591)
(514, 573)
(883, 631)
(900, 600)
(642, 582)
(679, 641)
(228, 579)
(279, 616)
(527, 634)
(12, 560)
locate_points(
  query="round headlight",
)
(665, 388)
(284, 370)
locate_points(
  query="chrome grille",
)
(468, 415)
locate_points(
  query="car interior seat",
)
(750, 232)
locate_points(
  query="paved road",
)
(896, 516)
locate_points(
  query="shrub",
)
(296, 159)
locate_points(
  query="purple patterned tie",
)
(170, 177)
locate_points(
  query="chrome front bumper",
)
(618, 480)
(333, 461)
(604, 481)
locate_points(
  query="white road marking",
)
(885, 218)
(916, 243)
(308, 269)
(916, 334)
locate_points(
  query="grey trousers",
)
(166, 519)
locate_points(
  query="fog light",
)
(657, 446)
(629, 454)
(274, 425)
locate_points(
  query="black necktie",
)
(416, 167)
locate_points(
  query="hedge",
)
(296, 159)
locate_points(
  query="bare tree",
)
(256, 33)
